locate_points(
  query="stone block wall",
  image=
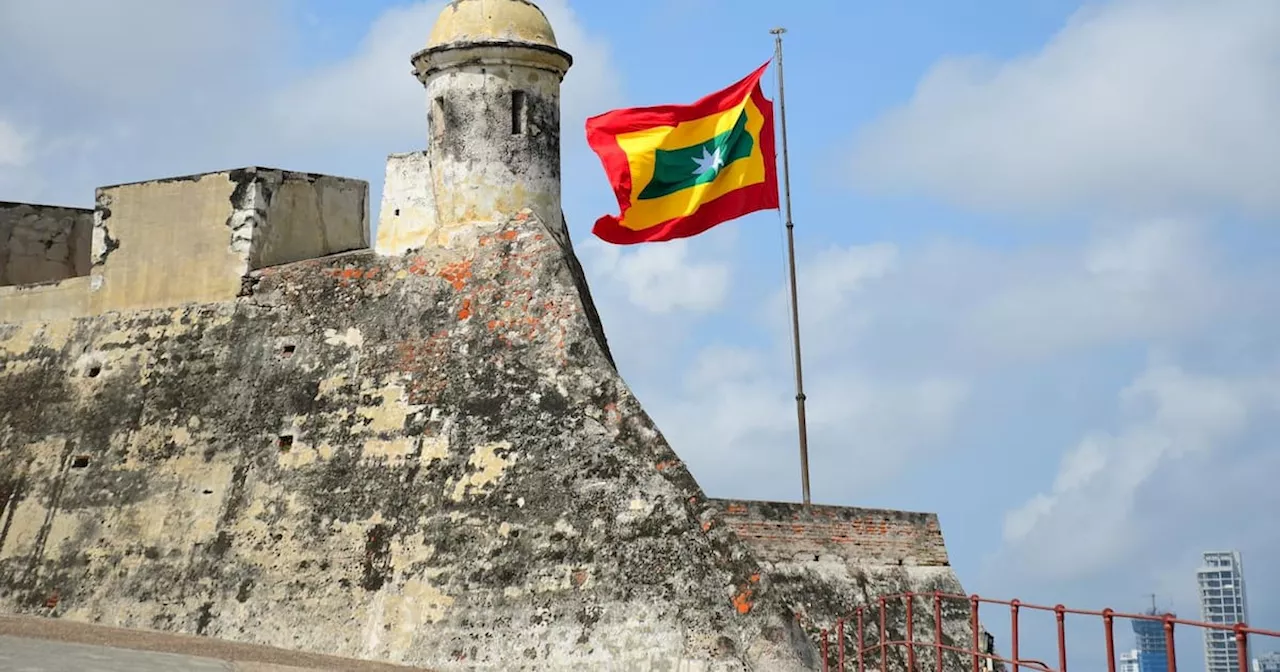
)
(43, 243)
(173, 241)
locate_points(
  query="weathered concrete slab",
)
(43, 243)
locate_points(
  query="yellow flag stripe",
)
(640, 148)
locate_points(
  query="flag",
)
(679, 170)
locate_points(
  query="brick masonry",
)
(781, 532)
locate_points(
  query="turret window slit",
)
(437, 116)
(519, 112)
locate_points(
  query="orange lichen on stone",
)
(667, 464)
(509, 234)
(418, 266)
(742, 601)
(706, 526)
(457, 274)
(345, 275)
(465, 312)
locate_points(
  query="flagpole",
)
(791, 266)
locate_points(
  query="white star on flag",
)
(709, 162)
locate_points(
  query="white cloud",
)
(662, 278)
(181, 88)
(372, 97)
(832, 287)
(125, 51)
(947, 305)
(1150, 279)
(14, 146)
(1136, 105)
(734, 421)
(1091, 518)
(732, 414)
(134, 90)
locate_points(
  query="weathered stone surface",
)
(832, 561)
(195, 238)
(43, 243)
(422, 455)
(433, 452)
(492, 74)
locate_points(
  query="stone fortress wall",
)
(172, 241)
(222, 413)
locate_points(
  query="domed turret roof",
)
(488, 21)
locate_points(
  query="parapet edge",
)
(785, 532)
(193, 177)
(175, 240)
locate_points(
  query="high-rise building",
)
(1129, 661)
(1222, 600)
(1152, 653)
(1267, 662)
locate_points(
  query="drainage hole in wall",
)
(79, 461)
(208, 492)
(285, 442)
(397, 212)
(94, 371)
(288, 350)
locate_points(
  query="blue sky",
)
(1036, 243)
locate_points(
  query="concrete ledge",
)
(242, 657)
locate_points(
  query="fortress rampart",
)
(222, 413)
(172, 241)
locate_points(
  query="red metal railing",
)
(872, 647)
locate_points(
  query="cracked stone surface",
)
(433, 452)
(426, 459)
(43, 243)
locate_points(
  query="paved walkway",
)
(53, 645)
(34, 655)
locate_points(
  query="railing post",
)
(911, 638)
(937, 626)
(861, 641)
(1169, 645)
(884, 646)
(1242, 646)
(826, 666)
(1013, 635)
(839, 645)
(1060, 615)
(1108, 626)
(973, 618)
